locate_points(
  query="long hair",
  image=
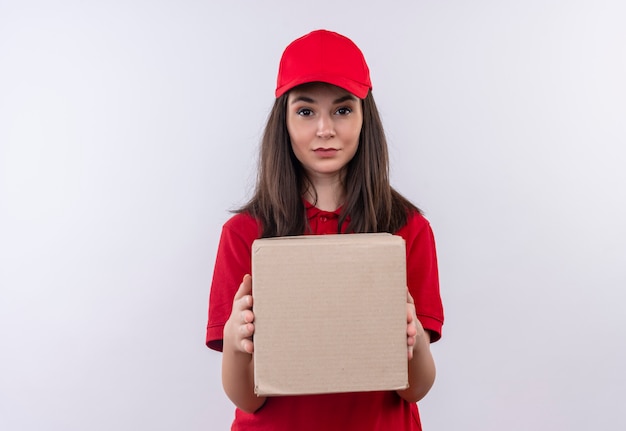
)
(372, 204)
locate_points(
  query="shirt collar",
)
(312, 211)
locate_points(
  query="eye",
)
(304, 112)
(344, 111)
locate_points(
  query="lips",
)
(325, 152)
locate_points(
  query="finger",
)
(247, 345)
(247, 316)
(411, 330)
(409, 314)
(246, 330)
(410, 344)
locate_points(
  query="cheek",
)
(294, 139)
(293, 136)
(354, 132)
(299, 135)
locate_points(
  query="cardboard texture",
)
(330, 314)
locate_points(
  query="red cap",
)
(324, 56)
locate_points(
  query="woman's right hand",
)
(237, 361)
(239, 328)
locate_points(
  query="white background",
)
(128, 129)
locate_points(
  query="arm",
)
(237, 359)
(421, 363)
(424, 300)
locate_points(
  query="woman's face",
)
(324, 124)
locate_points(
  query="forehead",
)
(320, 89)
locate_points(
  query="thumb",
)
(245, 288)
(409, 298)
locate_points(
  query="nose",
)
(325, 127)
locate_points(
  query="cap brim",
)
(359, 89)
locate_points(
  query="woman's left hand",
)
(420, 364)
(414, 330)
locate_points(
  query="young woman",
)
(323, 169)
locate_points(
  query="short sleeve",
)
(232, 262)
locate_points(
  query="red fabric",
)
(351, 411)
(324, 56)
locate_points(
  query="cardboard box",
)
(330, 314)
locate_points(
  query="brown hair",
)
(372, 204)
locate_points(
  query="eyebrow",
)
(307, 99)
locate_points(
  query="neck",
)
(329, 192)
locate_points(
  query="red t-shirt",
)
(384, 410)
